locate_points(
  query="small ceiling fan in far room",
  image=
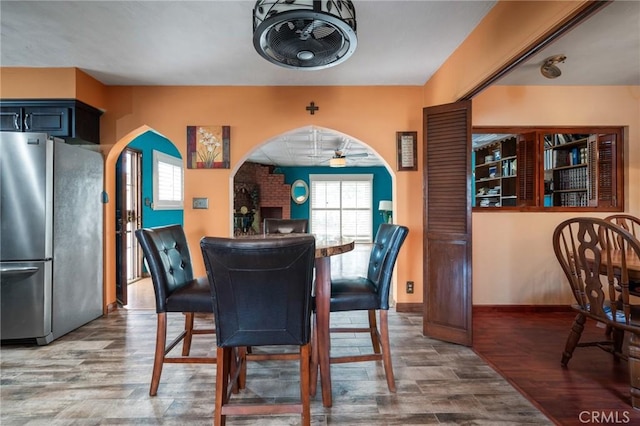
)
(340, 160)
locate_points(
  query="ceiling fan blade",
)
(358, 155)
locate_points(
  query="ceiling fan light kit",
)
(304, 34)
(338, 162)
(549, 68)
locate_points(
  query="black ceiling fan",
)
(304, 34)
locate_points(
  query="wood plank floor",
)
(526, 348)
(100, 374)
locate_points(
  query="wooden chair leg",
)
(313, 373)
(188, 328)
(386, 350)
(223, 362)
(634, 370)
(158, 360)
(304, 384)
(373, 329)
(573, 339)
(618, 340)
(242, 364)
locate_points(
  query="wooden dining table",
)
(633, 264)
(326, 246)
(633, 269)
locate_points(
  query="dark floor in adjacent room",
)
(526, 348)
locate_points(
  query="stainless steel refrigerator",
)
(50, 236)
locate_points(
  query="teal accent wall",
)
(147, 143)
(381, 186)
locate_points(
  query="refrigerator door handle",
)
(19, 273)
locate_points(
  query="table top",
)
(325, 245)
(633, 262)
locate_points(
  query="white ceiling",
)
(210, 43)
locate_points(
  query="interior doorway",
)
(128, 220)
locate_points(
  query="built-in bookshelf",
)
(559, 169)
(495, 173)
(566, 168)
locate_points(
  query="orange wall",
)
(257, 114)
(52, 83)
(513, 259)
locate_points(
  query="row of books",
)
(561, 158)
(573, 199)
(571, 179)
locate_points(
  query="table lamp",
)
(386, 209)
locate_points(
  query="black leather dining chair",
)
(176, 290)
(371, 294)
(285, 226)
(261, 292)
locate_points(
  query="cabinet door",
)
(52, 120)
(10, 119)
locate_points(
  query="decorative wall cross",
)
(312, 108)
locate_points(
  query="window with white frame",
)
(168, 177)
(341, 206)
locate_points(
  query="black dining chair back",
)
(285, 226)
(371, 294)
(262, 296)
(176, 289)
(594, 255)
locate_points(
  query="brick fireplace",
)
(263, 194)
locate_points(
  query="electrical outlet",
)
(409, 287)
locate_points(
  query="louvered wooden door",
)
(528, 170)
(604, 171)
(447, 223)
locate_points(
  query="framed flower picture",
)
(208, 147)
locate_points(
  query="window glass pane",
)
(341, 206)
(167, 182)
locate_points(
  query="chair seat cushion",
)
(193, 297)
(353, 294)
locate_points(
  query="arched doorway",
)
(302, 152)
(120, 243)
(261, 180)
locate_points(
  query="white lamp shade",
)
(385, 206)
